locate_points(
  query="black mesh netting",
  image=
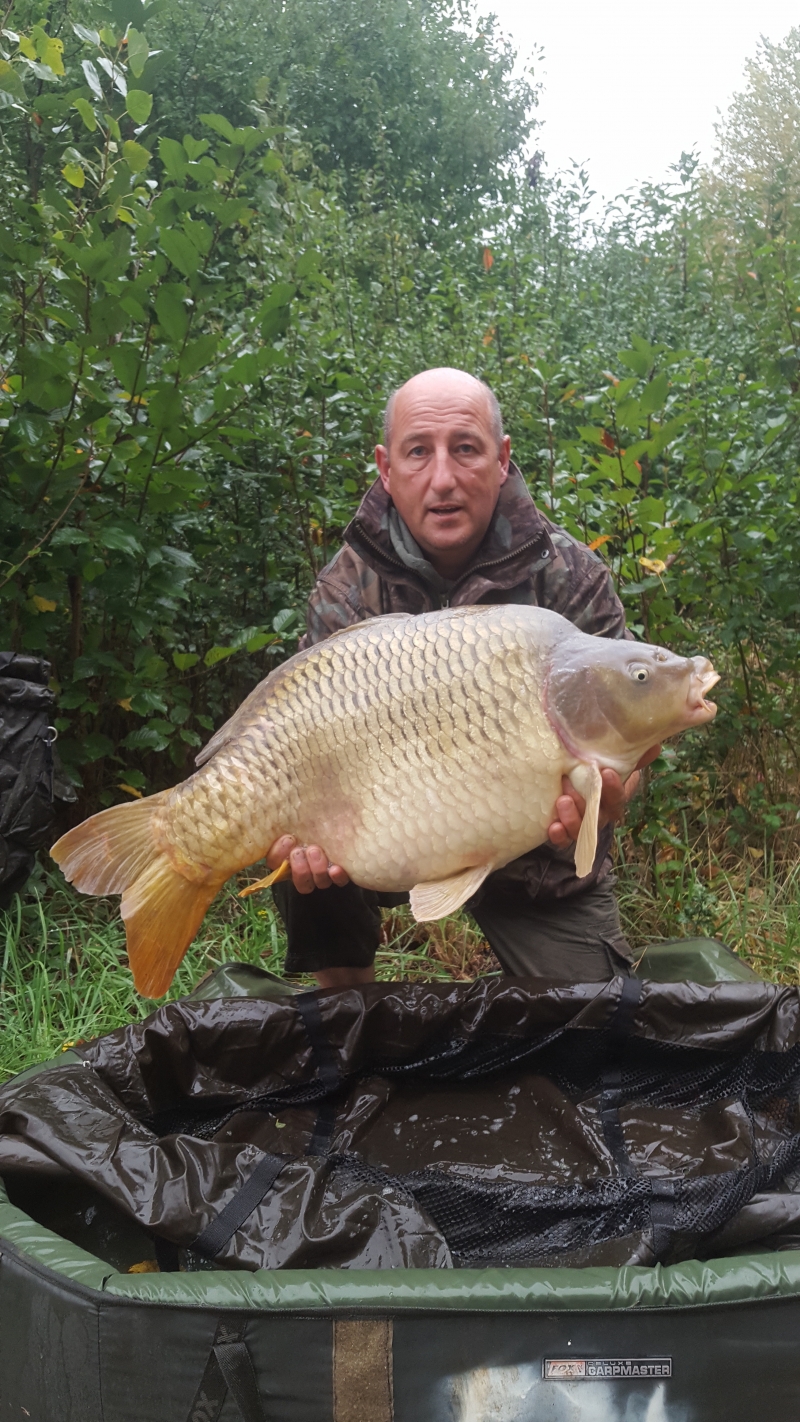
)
(473, 1125)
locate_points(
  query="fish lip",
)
(698, 700)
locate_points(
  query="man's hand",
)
(570, 807)
(309, 865)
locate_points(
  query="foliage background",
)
(227, 230)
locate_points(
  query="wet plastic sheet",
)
(433, 1125)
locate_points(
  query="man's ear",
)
(505, 457)
(382, 461)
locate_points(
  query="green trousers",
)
(575, 939)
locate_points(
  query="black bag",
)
(27, 768)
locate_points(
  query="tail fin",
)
(120, 852)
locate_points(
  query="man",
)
(450, 522)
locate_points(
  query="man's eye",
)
(417, 452)
(466, 449)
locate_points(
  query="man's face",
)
(443, 470)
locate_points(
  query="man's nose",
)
(443, 471)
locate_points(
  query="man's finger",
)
(280, 850)
(302, 876)
(339, 876)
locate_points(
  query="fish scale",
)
(421, 752)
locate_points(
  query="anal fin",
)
(588, 782)
(283, 871)
(444, 896)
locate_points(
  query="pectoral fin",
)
(283, 871)
(444, 896)
(589, 782)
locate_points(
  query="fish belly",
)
(409, 748)
(433, 751)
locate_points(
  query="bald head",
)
(444, 462)
(438, 379)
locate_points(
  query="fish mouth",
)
(698, 701)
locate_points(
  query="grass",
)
(64, 974)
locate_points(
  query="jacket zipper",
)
(479, 567)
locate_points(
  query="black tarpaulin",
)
(499, 1122)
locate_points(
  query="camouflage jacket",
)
(524, 558)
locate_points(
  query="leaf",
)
(166, 408)
(87, 113)
(10, 82)
(181, 252)
(654, 395)
(92, 78)
(145, 738)
(172, 312)
(598, 542)
(44, 604)
(87, 35)
(307, 262)
(218, 654)
(138, 52)
(488, 259)
(74, 174)
(635, 361)
(184, 660)
(136, 156)
(198, 354)
(120, 540)
(261, 639)
(127, 365)
(131, 790)
(139, 105)
(173, 156)
(114, 73)
(654, 565)
(220, 125)
(95, 746)
(128, 12)
(284, 618)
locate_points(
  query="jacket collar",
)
(516, 537)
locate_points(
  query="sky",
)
(628, 86)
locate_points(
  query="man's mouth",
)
(445, 510)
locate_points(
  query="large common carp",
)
(421, 752)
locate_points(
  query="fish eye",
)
(640, 673)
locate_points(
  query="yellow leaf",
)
(568, 394)
(131, 791)
(44, 604)
(654, 565)
(488, 336)
(50, 54)
(147, 1266)
(488, 259)
(74, 174)
(598, 542)
(125, 703)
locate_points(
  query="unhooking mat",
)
(494, 1123)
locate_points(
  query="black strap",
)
(307, 1004)
(229, 1369)
(663, 1198)
(611, 1099)
(612, 1094)
(216, 1235)
(621, 1020)
(324, 1126)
